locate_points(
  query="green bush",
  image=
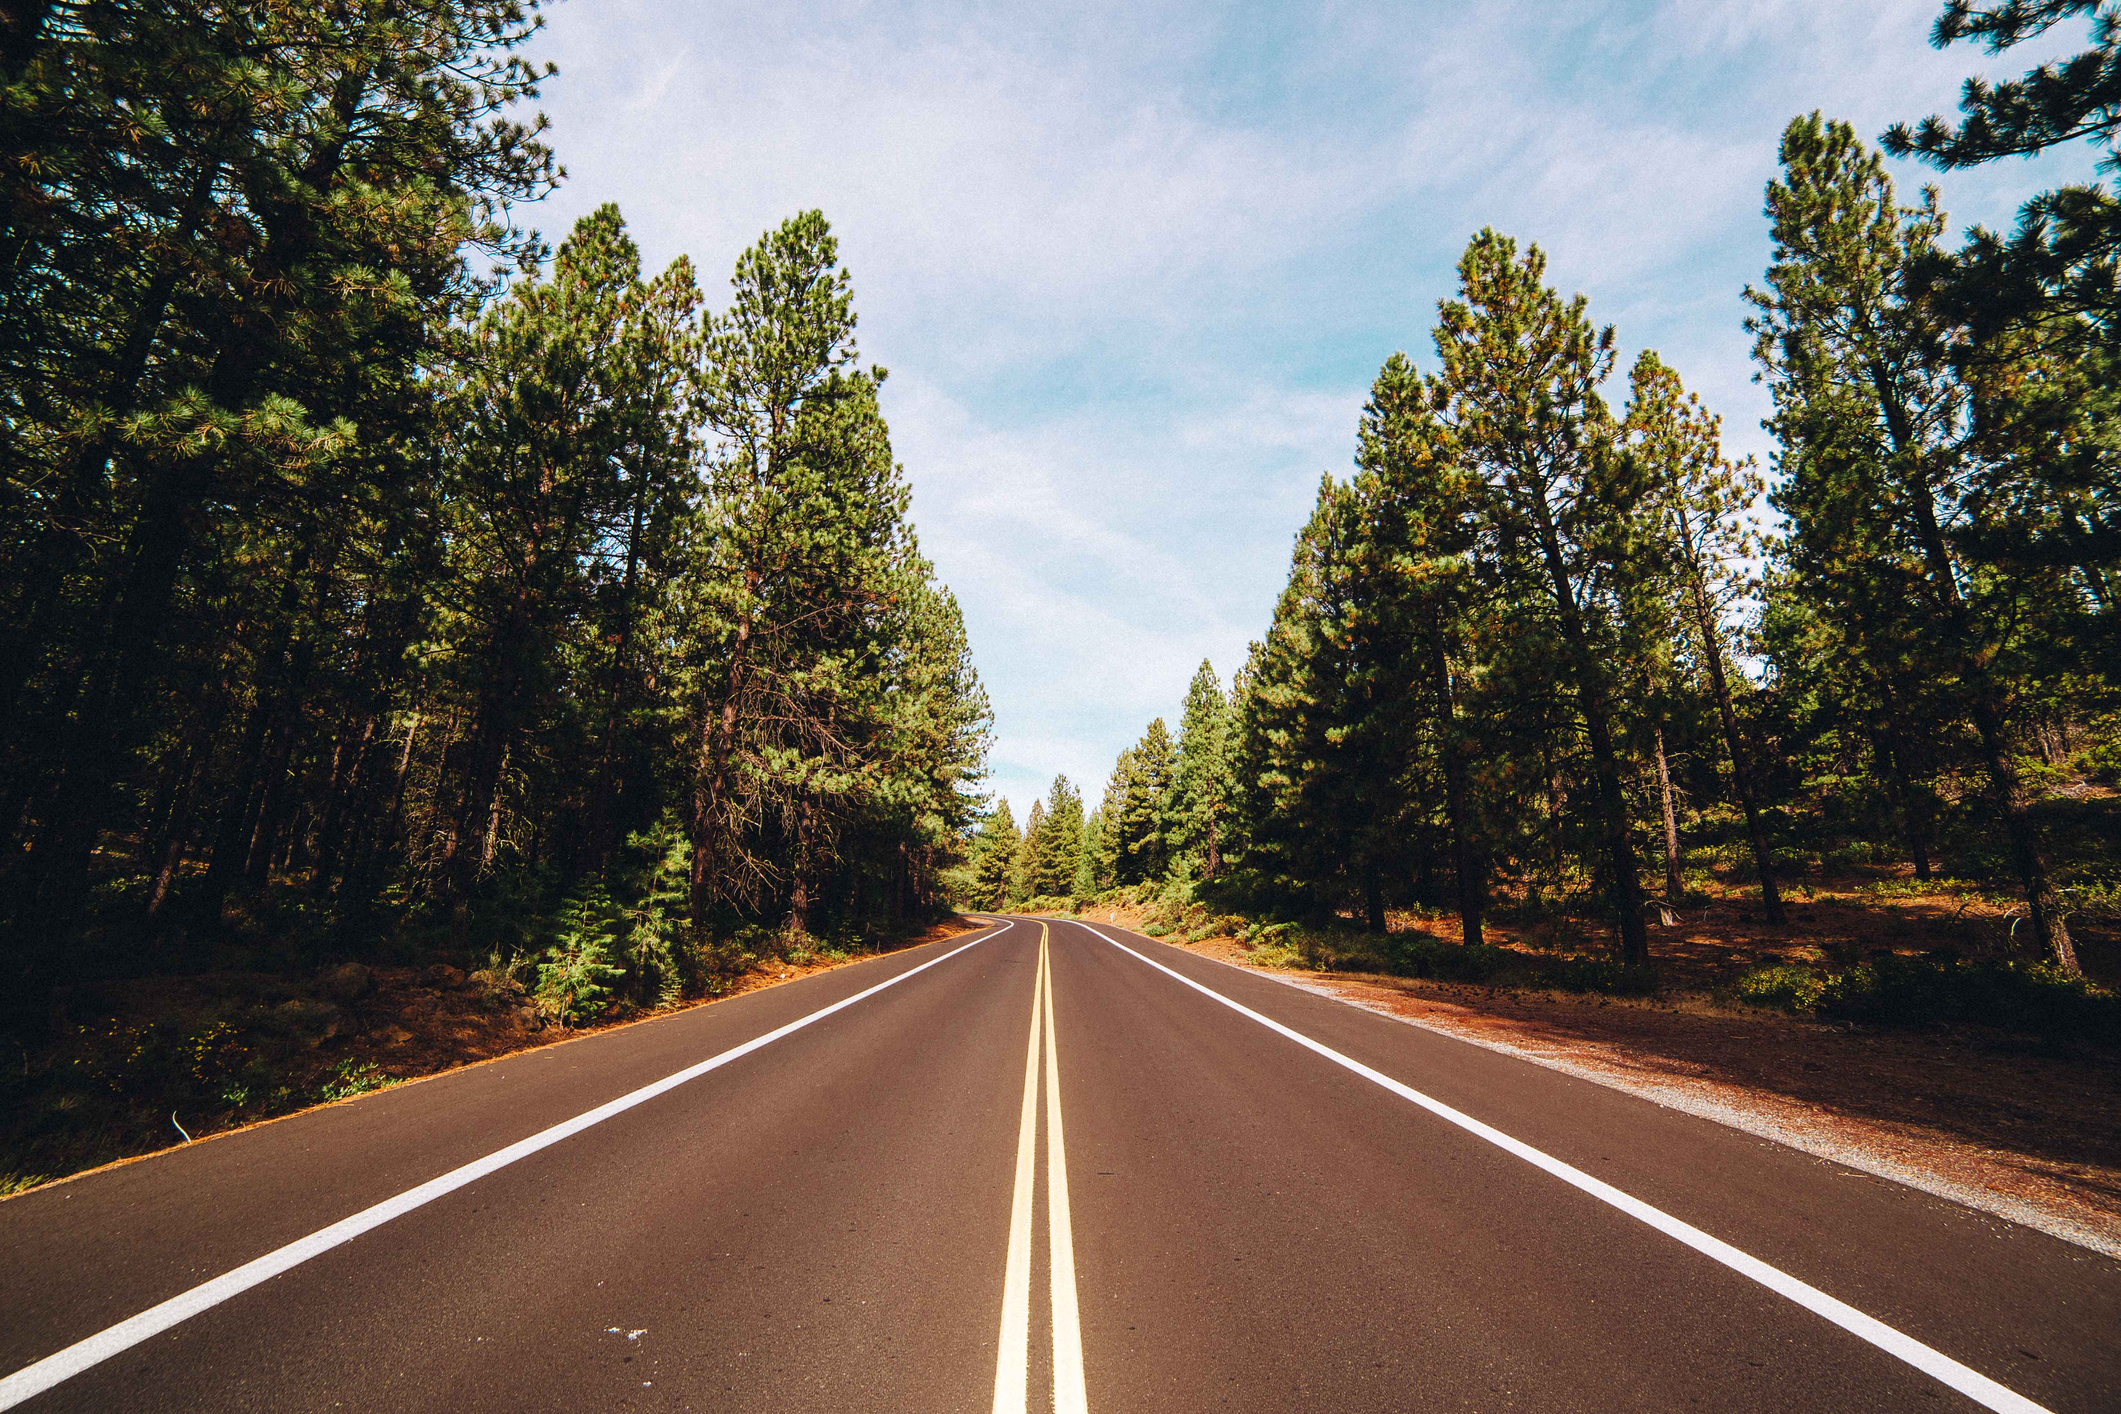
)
(1784, 986)
(1418, 956)
(575, 981)
(1280, 945)
(2102, 760)
(350, 1078)
(161, 1060)
(2036, 999)
(660, 963)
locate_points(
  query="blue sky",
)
(1133, 266)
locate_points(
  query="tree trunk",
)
(1741, 767)
(238, 815)
(349, 777)
(1900, 796)
(1605, 762)
(717, 732)
(172, 853)
(1465, 859)
(492, 730)
(2049, 925)
(1674, 884)
(603, 834)
(2049, 928)
(167, 856)
(272, 809)
(492, 829)
(94, 751)
(799, 875)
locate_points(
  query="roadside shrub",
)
(1784, 986)
(575, 981)
(660, 963)
(160, 1059)
(1415, 955)
(2102, 760)
(496, 981)
(1276, 945)
(1228, 925)
(1597, 974)
(2035, 999)
(350, 1078)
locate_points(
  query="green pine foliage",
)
(1197, 810)
(1880, 421)
(1536, 647)
(2065, 256)
(1058, 856)
(994, 855)
(382, 583)
(577, 977)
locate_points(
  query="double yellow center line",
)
(1012, 1370)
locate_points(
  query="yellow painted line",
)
(1012, 1360)
(1069, 1396)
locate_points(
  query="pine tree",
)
(1701, 507)
(994, 857)
(1520, 393)
(1024, 871)
(1144, 844)
(1321, 745)
(1059, 852)
(1422, 526)
(1110, 863)
(1087, 881)
(804, 594)
(552, 400)
(1875, 426)
(1200, 777)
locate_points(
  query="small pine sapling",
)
(575, 981)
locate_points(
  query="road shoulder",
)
(2029, 1138)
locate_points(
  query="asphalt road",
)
(1007, 1175)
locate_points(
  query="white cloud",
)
(1133, 266)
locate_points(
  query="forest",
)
(1550, 653)
(384, 586)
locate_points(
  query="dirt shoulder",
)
(1982, 1120)
(287, 1044)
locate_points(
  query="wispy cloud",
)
(1133, 266)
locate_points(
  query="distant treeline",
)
(354, 597)
(1540, 647)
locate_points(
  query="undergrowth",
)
(2031, 999)
(1175, 911)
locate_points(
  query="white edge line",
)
(1705, 1100)
(34, 1379)
(1932, 1362)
